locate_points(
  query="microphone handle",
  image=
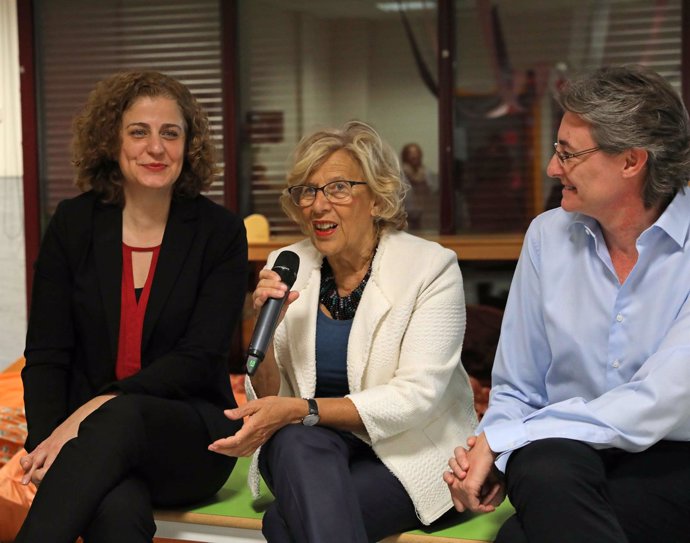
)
(263, 331)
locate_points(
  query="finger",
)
(37, 461)
(232, 447)
(493, 495)
(263, 293)
(457, 469)
(449, 478)
(223, 443)
(471, 441)
(461, 458)
(239, 412)
(269, 274)
(26, 462)
(28, 476)
(486, 508)
(489, 493)
(38, 475)
(459, 506)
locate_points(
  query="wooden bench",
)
(234, 517)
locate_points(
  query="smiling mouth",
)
(323, 228)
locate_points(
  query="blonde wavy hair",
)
(378, 161)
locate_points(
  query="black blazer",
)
(195, 303)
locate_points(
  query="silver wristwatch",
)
(313, 417)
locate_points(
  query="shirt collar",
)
(675, 220)
(590, 225)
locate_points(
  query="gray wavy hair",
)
(633, 106)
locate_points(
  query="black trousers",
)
(330, 486)
(132, 454)
(565, 491)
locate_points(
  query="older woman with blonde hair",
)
(362, 395)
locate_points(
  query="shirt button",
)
(619, 317)
(616, 364)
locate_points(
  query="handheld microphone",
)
(286, 265)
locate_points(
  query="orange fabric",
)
(12, 419)
(12, 432)
(15, 498)
(11, 390)
(17, 365)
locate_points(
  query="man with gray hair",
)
(588, 427)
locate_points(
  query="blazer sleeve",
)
(199, 358)
(50, 337)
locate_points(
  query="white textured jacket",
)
(403, 361)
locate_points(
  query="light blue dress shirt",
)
(584, 357)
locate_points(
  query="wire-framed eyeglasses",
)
(565, 156)
(337, 192)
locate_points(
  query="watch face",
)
(310, 420)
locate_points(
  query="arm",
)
(269, 413)
(38, 462)
(50, 336)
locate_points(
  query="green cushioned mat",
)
(470, 526)
(235, 500)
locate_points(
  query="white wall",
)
(12, 274)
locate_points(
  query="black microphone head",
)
(287, 265)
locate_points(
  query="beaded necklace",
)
(340, 307)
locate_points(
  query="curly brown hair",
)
(96, 141)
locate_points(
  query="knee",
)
(295, 441)
(554, 464)
(295, 446)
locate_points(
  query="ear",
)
(374, 211)
(635, 162)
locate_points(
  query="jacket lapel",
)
(107, 236)
(303, 352)
(177, 241)
(372, 308)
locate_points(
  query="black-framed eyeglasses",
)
(563, 157)
(337, 192)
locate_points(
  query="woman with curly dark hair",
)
(138, 286)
